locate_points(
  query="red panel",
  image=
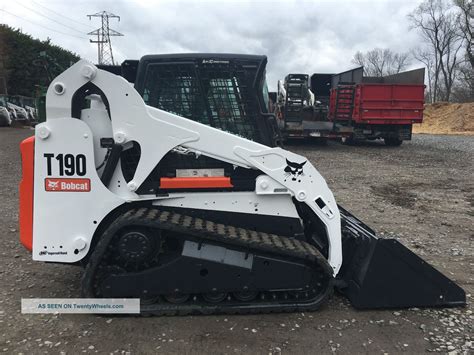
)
(389, 104)
(332, 104)
(357, 101)
(384, 104)
(195, 182)
(27, 148)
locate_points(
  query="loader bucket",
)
(382, 273)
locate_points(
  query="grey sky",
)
(297, 36)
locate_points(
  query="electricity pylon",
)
(104, 46)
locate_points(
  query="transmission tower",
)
(104, 46)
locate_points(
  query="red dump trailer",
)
(376, 107)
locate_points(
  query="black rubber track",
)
(225, 235)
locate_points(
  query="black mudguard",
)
(382, 273)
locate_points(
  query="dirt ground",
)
(421, 193)
(447, 118)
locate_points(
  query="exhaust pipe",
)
(383, 273)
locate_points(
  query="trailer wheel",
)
(393, 142)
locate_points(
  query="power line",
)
(49, 18)
(62, 15)
(37, 24)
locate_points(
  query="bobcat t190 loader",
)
(243, 228)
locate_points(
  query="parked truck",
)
(376, 107)
(351, 106)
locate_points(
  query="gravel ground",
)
(421, 193)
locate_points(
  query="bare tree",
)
(381, 62)
(466, 8)
(466, 71)
(463, 87)
(425, 57)
(440, 26)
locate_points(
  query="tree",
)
(440, 26)
(463, 87)
(466, 71)
(425, 57)
(19, 55)
(466, 17)
(381, 62)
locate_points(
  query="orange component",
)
(27, 148)
(195, 182)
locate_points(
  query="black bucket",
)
(382, 273)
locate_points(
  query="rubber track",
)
(223, 234)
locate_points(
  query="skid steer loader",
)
(246, 228)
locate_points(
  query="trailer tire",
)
(393, 142)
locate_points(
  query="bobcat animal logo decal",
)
(294, 170)
(53, 185)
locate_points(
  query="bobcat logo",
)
(53, 185)
(294, 170)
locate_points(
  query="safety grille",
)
(218, 95)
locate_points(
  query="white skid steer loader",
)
(192, 219)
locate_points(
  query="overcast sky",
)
(297, 36)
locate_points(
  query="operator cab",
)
(224, 91)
